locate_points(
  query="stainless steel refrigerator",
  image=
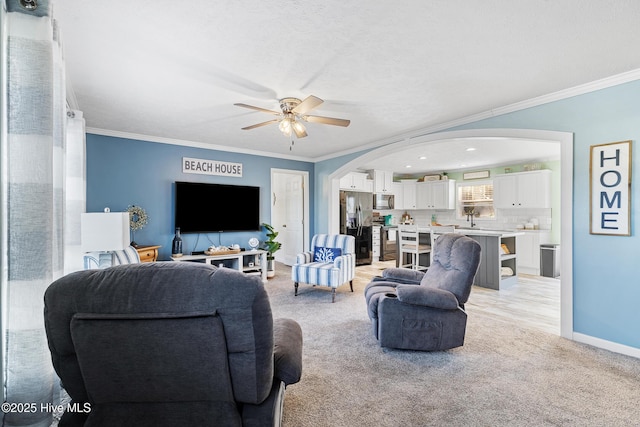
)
(356, 215)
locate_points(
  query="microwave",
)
(383, 201)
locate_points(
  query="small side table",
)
(147, 253)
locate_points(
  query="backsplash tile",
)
(506, 219)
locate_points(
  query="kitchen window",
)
(476, 199)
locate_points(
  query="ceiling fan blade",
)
(327, 120)
(264, 110)
(309, 103)
(260, 124)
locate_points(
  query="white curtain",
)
(75, 187)
(33, 187)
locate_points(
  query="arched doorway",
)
(564, 139)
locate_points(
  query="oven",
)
(388, 240)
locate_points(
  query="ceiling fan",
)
(293, 113)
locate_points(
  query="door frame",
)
(305, 200)
(565, 139)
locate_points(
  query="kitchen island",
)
(498, 259)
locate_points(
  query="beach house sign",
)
(211, 167)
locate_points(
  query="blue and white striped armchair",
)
(330, 262)
(128, 255)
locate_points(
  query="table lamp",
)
(104, 232)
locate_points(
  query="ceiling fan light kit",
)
(293, 113)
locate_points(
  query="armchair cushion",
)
(454, 266)
(322, 254)
(428, 297)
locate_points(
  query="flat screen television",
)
(213, 208)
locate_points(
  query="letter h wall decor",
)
(610, 189)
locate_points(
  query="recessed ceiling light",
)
(408, 166)
(422, 157)
(471, 149)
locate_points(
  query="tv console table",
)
(248, 262)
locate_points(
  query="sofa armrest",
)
(267, 413)
(304, 257)
(344, 260)
(287, 350)
(403, 275)
(429, 297)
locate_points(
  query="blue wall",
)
(606, 268)
(123, 172)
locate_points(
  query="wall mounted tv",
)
(212, 208)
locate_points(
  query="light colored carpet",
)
(504, 375)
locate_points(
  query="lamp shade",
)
(105, 231)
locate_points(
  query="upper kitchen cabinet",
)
(356, 181)
(436, 194)
(408, 198)
(522, 190)
(397, 189)
(382, 182)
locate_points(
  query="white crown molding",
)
(605, 83)
(185, 143)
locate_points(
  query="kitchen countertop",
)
(480, 232)
(384, 226)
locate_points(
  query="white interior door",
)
(289, 212)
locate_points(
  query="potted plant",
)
(271, 246)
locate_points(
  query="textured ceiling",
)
(171, 71)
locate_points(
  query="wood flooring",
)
(533, 301)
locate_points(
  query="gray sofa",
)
(170, 344)
(425, 311)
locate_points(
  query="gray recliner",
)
(425, 311)
(170, 344)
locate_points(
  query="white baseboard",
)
(607, 345)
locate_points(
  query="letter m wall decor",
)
(610, 189)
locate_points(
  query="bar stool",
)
(410, 244)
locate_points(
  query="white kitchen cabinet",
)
(408, 196)
(375, 242)
(529, 250)
(356, 181)
(398, 195)
(436, 194)
(522, 190)
(382, 181)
